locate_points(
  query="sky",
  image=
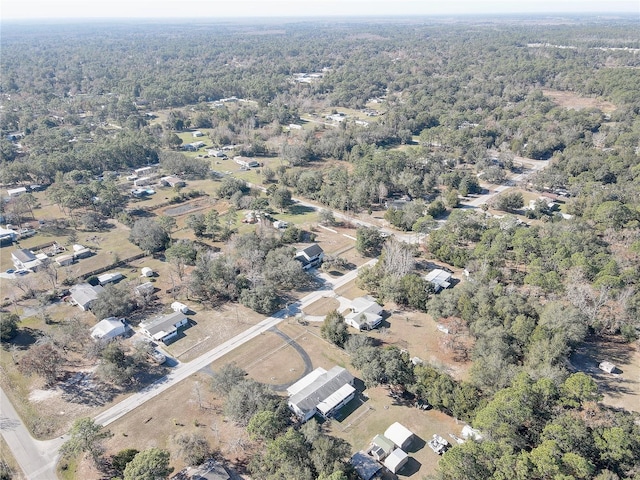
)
(60, 9)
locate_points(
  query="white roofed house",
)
(310, 256)
(146, 288)
(84, 294)
(323, 392)
(165, 328)
(24, 259)
(440, 279)
(109, 328)
(173, 182)
(365, 313)
(106, 278)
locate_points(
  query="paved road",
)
(184, 370)
(37, 458)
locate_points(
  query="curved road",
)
(38, 458)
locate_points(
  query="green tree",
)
(115, 300)
(334, 329)
(151, 464)
(226, 378)
(369, 241)
(86, 436)
(120, 460)
(148, 235)
(8, 326)
(267, 425)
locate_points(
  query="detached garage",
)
(400, 435)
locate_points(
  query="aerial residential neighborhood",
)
(395, 247)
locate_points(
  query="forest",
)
(444, 109)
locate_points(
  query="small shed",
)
(396, 460)
(146, 272)
(607, 367)
(146, 288)
(179, 307)
(381, 447)
(400, 435)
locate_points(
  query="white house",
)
(323, 392)
(142, 181)
(396, 460)
(172, 181)
(106, 278)
(84, 295)
(246, 162)
(365, 313)
(64, 260)
(108, 328)
(24, 259)
(311, 256)
(164, 329)
(197, 134)
(400, 435)
(14, 192)
(440, 279)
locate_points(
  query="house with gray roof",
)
(323, 392)
(165, 328)
(440, 279)
(84, 295)
(310, 256)
(24, 259)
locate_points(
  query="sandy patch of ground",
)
(41, 395)
(622, 388)
(576, 102)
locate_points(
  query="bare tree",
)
(398, 258)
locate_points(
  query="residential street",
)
(38, 459)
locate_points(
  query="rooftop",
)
(320, 389)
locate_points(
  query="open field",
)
(577, 102)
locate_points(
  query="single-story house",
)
(146, 288)
(197, 134)
(7, 236)
(323, 392)
(142, 171)
(172, 181)
(246, 162)
(396, 460)
(164, 328)
(365, 466)
(14, 192)
(440, 279)
(24, 259)
(217, 153)
(142, 181)
(110, 278)
(84, 294)
(81, 252)
(365, 313)
(108, 328)
(64, 260)
(400, 435)
(311, 256)
(193, 147)
(381, 447)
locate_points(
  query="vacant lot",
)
(620, 389)
(576, 102)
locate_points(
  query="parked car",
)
(11, 270)
(21, 272)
